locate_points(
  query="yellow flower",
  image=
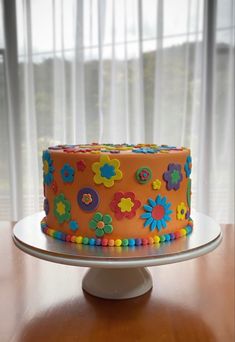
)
(45, 167)
(181, 211)
(157, 184)
(106, 171)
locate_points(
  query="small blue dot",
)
(167, 237)
(92, 242)
(131, 242)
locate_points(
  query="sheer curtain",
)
(130, 71)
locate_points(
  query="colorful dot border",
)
(118, 242)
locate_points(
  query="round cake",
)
(117, 195)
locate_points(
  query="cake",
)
(116, 195)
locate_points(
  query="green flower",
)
(62, 208)
(189, 192)
(101, 224)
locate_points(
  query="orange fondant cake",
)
(117, 195)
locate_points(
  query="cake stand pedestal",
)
(117, 272)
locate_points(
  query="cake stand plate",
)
(117, 272)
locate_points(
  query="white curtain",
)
(117, 71)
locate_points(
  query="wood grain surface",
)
(43, 301)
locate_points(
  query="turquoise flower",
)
(48, 168)
(73, 225)
(67, 173)
(157, 213)
(145, 150)
(188, 166)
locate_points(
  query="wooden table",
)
(43, 301)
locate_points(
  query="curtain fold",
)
(120, 71)
(29, 127)
(79, 81)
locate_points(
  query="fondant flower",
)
(173, 176)
(67, 173)
(62, 208)
(114, 151)
(181, 211)
(54, 186)
(145, 150)
(157, 184)
(157, 213)
(124, 205)
(101, 224)
(188, 166)
(106, 171)
(143, 175)
(189, 192)
(88, 199)
(73, 225)
(48, 168)
(81, 165)
(46, 206)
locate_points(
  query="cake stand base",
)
(117, 272)
(115, 283)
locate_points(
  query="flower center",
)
(125, 204)
(86, 198)
(144, 174)
(175, 177)
(107, 171)
(60, 208)
(158, 212)
(100, 225)
(45, 167)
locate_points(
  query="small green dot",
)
(125, 242)
(85, 241)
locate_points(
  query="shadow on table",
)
(88, 318)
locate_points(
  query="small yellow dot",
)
(78, 239)
(156, 239)
(118, 242)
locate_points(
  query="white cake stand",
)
(117, 272)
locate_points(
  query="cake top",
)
(116, 148)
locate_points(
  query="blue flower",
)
(73, 225)
(107, 171)
(157, 213)
(188, 166)
(48, 168)
(67, 173)
(145, 150)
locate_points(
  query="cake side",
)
(119, 192)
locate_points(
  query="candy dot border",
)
(131, 242)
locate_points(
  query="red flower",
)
(144, 174)
(81, 165)
(83, 150)
(54, 186)
(124, 205)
